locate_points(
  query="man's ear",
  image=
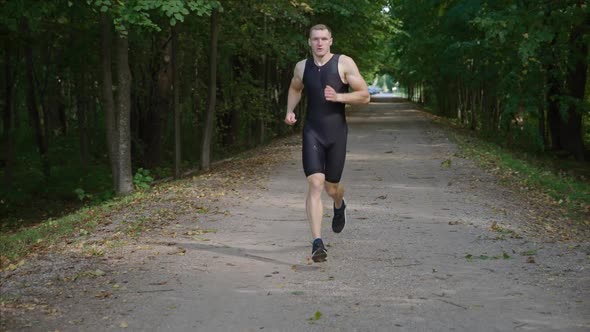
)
(308, 42)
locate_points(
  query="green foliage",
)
(142, 179)
(487, 61)
(18, 244)
(82, 195)
(139, 13)
(360, 29)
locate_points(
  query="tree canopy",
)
(514, 69)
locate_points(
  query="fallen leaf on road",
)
(179, 251)
(102, 294)
(446, 163)
(531, 252)
(317, 315)
(530, 260)
(158, 283)
(99, 273)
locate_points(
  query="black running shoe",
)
(318, 251)
(339, 218)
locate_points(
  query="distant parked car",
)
(374, 90)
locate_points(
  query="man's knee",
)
(331, 189)
(316, 182)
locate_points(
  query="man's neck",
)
(320, 61)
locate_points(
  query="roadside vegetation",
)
(560, 186)
(513, 76)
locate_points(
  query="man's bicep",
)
(296, 83)
(353, 76)
(356, 82)
(297, 80)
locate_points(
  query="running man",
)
(326, 78)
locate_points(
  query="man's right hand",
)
(290, 118)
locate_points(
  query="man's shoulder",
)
(346, 61)
(343, 58)
(300, 66)
(301, 63)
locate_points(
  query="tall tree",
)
(108, 102)
(208, 132)
(8, 115)
(123, 124)
(176, 103)
(32, 101)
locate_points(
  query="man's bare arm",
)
(360, 92)
(295, 89)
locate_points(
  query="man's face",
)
(320, 42)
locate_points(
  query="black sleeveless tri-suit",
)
(325, 130)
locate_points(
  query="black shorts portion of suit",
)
(325, 131)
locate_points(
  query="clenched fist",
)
(330, 94)
(290, 118)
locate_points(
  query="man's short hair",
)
(320, 27)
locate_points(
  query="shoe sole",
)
(319, 256)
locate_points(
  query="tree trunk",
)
(196, 108)
(108, 103)
(473, 120)
(261, 115)
(154, 120)
(125, 183)
(176, 91)
(8, 118)
(553, 114)
(542, 130)
(61, 112)
(32, 105)
(82, 115)
(208, 132)
(571, 127)
(234, 122)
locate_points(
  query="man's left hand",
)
(330, 94)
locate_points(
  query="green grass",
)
(566, 182)
(17, 244)
(33, 197)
